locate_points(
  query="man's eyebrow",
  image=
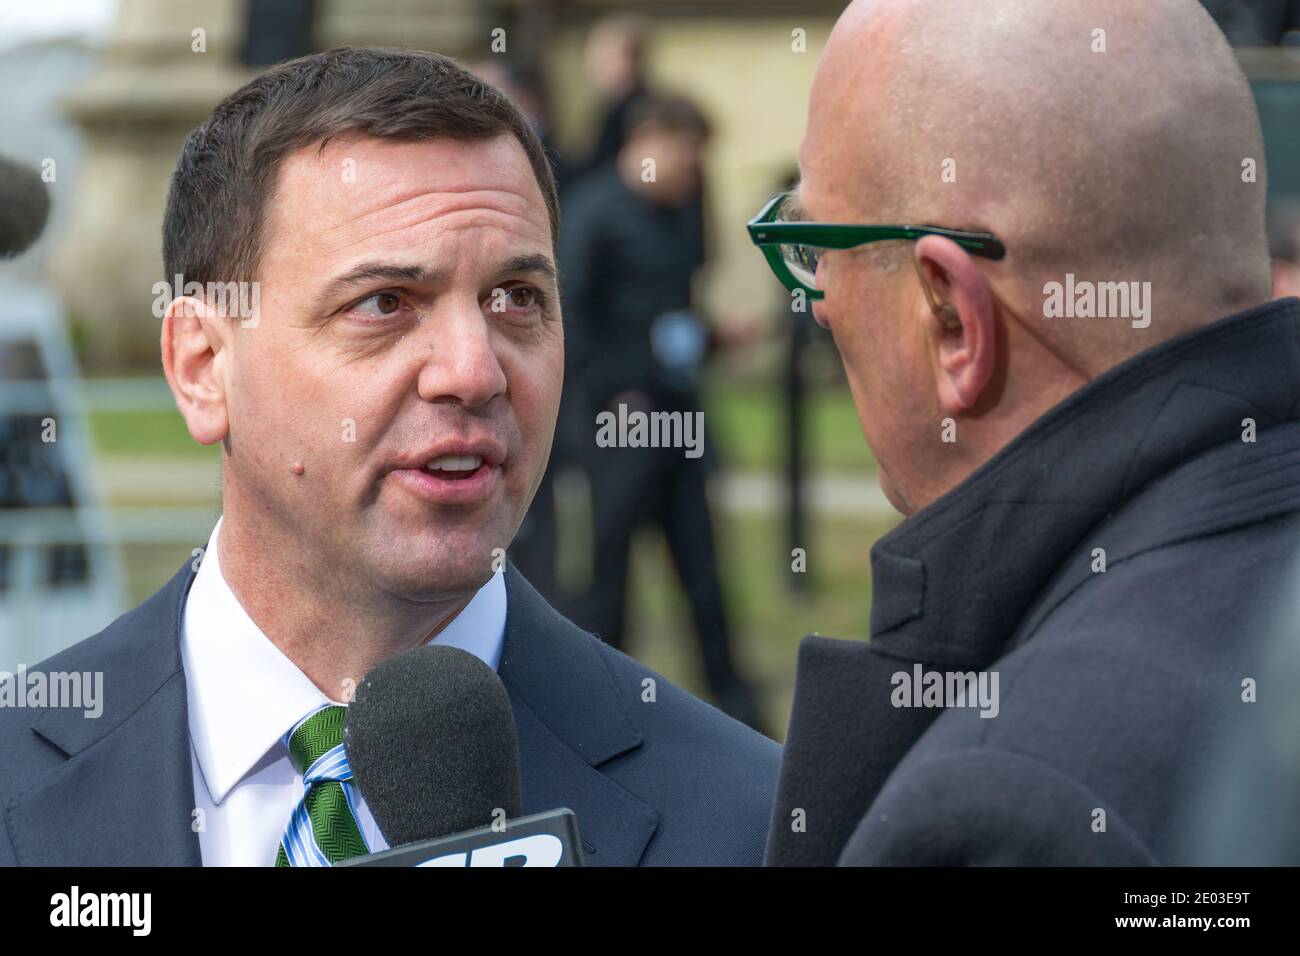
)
(371, 272)
(534, 262)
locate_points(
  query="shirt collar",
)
(243, 693)
(951, 583)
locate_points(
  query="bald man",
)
(1081, 398)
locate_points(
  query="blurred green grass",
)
(749, 422)
(159, 433)
(767, 618)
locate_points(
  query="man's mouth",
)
(454, 467)
(455, 471)
(458, 477)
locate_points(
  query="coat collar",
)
(125, 794)
(937, 595)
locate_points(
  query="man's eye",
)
(523, 296)
(377, 308)
(381, 303)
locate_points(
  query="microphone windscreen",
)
(24, 207)
(431, 740)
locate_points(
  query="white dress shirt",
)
(244, 694)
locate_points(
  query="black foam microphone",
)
(430, 736)
(431, 740)
(24, 207)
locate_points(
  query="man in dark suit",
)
(631, 248)
(1081, 397)
(366, 319)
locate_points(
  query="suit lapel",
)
(570, 721)
(125, 795)
(615, 826)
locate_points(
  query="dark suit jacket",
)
(1114, 685)
(673, 782)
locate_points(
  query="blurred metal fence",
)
(61, 571)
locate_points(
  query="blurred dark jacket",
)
(613, 130)
(1114, 686)
(624, 262)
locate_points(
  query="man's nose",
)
(462, 365)
(819, 305)
(819, 313)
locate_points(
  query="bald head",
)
(1110, 144)
(1103, 138)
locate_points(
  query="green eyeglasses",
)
(791, 246)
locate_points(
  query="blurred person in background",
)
(615, 56)
(629, 251)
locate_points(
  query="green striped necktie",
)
(323, 829)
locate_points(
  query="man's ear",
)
(960, 324)
(194, 356)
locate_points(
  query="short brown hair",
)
(212, 229)
(669, 112)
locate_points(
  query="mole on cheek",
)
(297, 468)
